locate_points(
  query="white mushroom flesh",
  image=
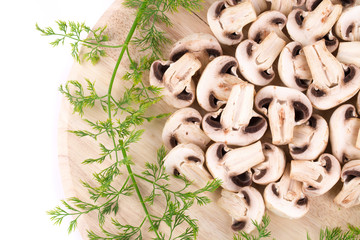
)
(349, 53)
(348, 25)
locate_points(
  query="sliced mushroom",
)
(285, 7)
(267, 22)
(285, 108)
(227, 21)
(183, 126)
(293, 69)
(244, 207)
(348, 25)
(333, 82)
(308, 27)
(312, 4)
(203, 46)
(349, 53)
(232, 166)
(216, 82)
(285, 198)
(344, 128)
(176, 79)
(245, 135)
(256, 60)
(318, 177)
(187, 159)
(349, 195)
(331, 42)
(259, 5)
(310, 139)
(272, 168)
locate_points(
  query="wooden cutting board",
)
(214, 223)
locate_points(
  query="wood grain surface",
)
(213, 222)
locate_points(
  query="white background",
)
(30, 73)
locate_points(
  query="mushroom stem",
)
(325, 68)
(191, 131)
(268, 50)
(349, 53)
(196, 174)
(239, 108)
(282, 122)
(306, 171)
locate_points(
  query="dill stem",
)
(86, 42)
(128, 167)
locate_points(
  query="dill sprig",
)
(124, 131)
(351, 233)
(261, 228)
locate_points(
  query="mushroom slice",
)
(188, 160)
(216, 82)
(256, 60)
(272, 168)
(310, 139)
(285, 108)
(344, 129)
(244, 207)
(203, 46)
(243, 136)
(267, 22)
(349, 195)
(333, 82)
(293, 69)
(331, 42)
(232, 166)
(349, 53)
(227, 21)
(312, 4)
(183, 126)
(285, 198)
(348, 25)
(318, 177)
(308, 27)
(259, 5)
(176, 79)
(285, 7)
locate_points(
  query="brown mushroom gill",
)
(184, 95)
(220, 152)
(178, 55)
(214, 121)
(238, 225)
(301, 111)
(255, 124)
(349, 74)
(351, 174)
(242, 180)
(159, 70)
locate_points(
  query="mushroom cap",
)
(203, 46)
(267, 22)
(216, 82)
(242, 136)
(272, 168)
(293, 68)
(344, 126)
(308, 27)
(256, 60)
(318, 177)
(232, 166)
(348, 25)
(285, 198)
(310, 139)
(349, 195)
(183, 126)
(187, 159)
(244, 207)
(227, 21)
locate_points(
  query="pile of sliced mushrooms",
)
(264, 116)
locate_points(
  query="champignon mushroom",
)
(318, 177)
(187, 159)
(227, 21)
(344, 128)
(308, 27)
(267, 22)
(285, 108)
(333, 82)
(176, 79)
(183, 126)
(232, 166)
(348, 25)
(349, 195)
(259, 5)
(244, 207)
(349, 53)
(310, 139)
(285, 198)
(256, 60)
(272, 168)
(293, 69)
(203, 46)
(242, 136)
(286, 6)
(216, 82)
